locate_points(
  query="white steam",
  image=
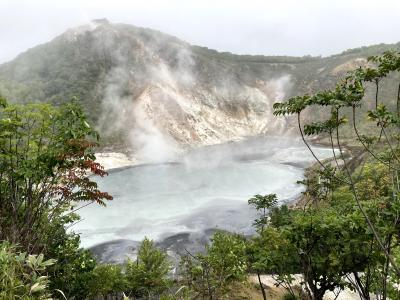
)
(150, 143)
(162, 98)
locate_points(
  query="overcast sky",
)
(279, 27)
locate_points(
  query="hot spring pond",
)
(184, 201)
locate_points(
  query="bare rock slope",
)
(159, 94)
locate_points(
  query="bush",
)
(289, 296)
(23, 276)
(73, 271)
(107, 279)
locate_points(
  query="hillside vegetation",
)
(129, 79)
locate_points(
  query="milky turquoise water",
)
(207, 188)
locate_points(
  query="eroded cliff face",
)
(163, 116)
(160, 95)
(166, 98)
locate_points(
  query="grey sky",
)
(279, 27)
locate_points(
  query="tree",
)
(262, 204)
(224, 262)
(329, 247)
(106, 280)
(147, 276)
(346, 102)
(74, 270)
(45, 161)
(326, 245)
(271, 253)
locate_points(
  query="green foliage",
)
(23, 276)
(324, 245)
(382, 116)
(329, 246)
(79, 277)
(45, 156)
(74, 270)
(106, 280)
(45, 159)
(262, 204)
(319, 183)
(227, 56)
(227, 258)
(351, 223)
(280, 216)
(272, 253)
(147, 276)
(289, 296)
(223, 263)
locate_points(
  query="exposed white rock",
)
(349, 65)
(186, 120)
(113, 160)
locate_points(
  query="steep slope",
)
(162, 94)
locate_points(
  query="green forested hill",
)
(101, 63)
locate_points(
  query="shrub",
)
(74, 269)
(107, 279)
(22, 276)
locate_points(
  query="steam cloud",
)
(163, 98)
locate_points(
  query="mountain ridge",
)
(159, 94)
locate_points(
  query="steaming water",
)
(208, 188)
